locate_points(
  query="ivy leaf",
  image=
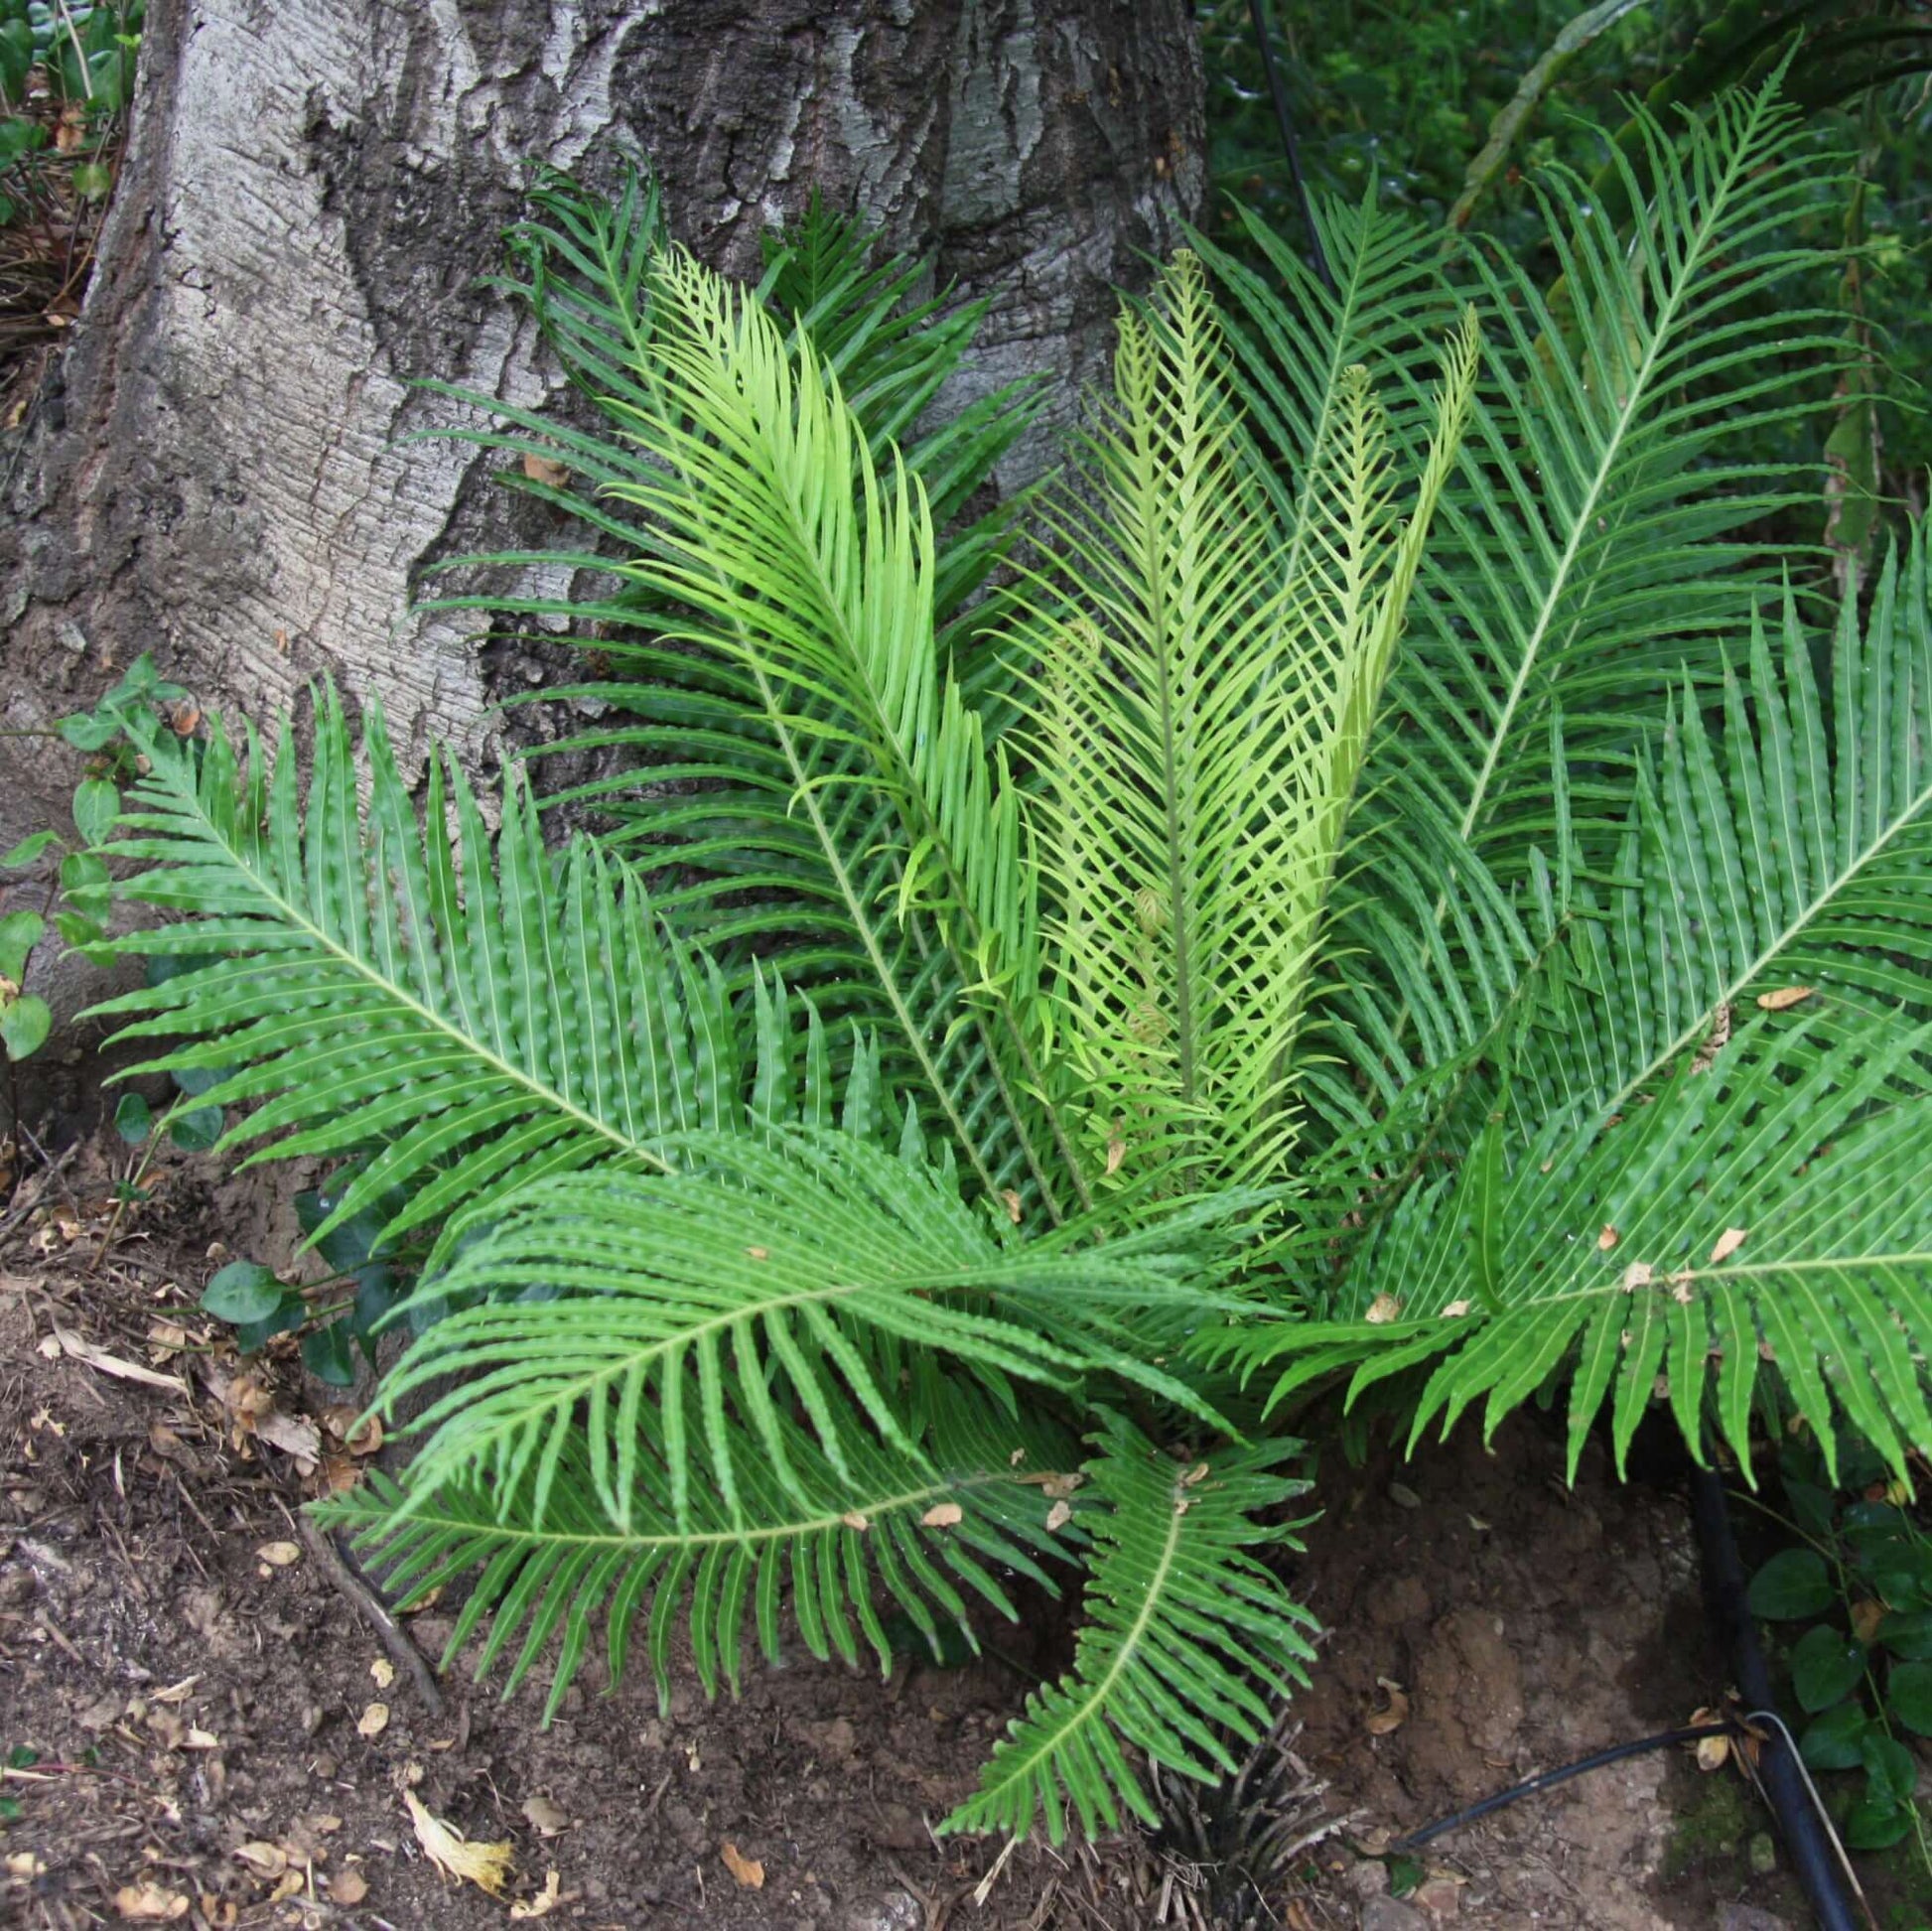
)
(97, 808)
(20, 933)
(243, 1290)
(1826, 1665)
(1792, 1586)
(1836, 1740)
(24, 1025)
(1908, 1695)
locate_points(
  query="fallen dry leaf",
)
(175, 1692)
(280, 1555)
(265, 1860)
(486, 1865)
(295, 1435)
(546, 1818)
(542, 468)
(943, 1515)
(150, 1903)
(1729, 1243)
(1382, 1309)
(102, 1362)
(383, 1671)
(1782, 998)
(1059, 1516)
(543, 1903)
(1012, 1199)
(1867, 1616)
(348, 1886)
(373, 1721)
(1608, 1239)
(748, 1872)
(1384, 1722)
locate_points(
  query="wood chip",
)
(749, 1871)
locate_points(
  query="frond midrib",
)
(299, 920)
(1792, 931)
(1581, 521)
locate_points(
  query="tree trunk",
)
(312, 191)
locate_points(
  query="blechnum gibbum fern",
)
(1381, 892)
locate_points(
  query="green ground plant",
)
(1394, 886)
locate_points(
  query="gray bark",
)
(313, 190)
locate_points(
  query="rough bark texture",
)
(312, 191)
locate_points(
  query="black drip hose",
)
(1549, 1779)
(1291, 147)
(1813, 1858)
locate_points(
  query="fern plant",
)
(1380, 892)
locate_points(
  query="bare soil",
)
(197, 1717)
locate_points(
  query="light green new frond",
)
(1189, 1639)
(480, 1013)
(1207, 693)
(935, 1534)
(1596, 543)
(1770, 1206)
(760, 1278)
(777, 543)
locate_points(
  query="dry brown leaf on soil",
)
(942, 1515)
(295, 1435)
(349, 1886)
(1782, 998)
(547, 1818)
(1727, 1244)
(280, 1555)
(265, 1860)
(1383, 1723)
(486, 1865)
(150, 1903)
(102, 1362)
(373, 1721)
(749, 1871)
(383, 1671)
(544, 1902)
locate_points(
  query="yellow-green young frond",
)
(804, 569)
(1207, 686)
(1190, 1639)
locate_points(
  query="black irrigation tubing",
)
(1549, 1779)
(1291, 147)
(1816, 1856)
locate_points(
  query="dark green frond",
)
(936, 1533)
(1189, 1639)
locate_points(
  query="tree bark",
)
(312, 191)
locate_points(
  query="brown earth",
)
(186, 1688)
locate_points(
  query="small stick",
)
(374, 1611)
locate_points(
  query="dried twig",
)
(374, 1611)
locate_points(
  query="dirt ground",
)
(200, 1725)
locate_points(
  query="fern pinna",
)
(1381, 896)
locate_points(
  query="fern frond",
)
(1598, 542)
(1205, 701)
(1769, 1207)
(934, 1533)
(1187, 1639)
(476, 1013)
(757, 1279)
